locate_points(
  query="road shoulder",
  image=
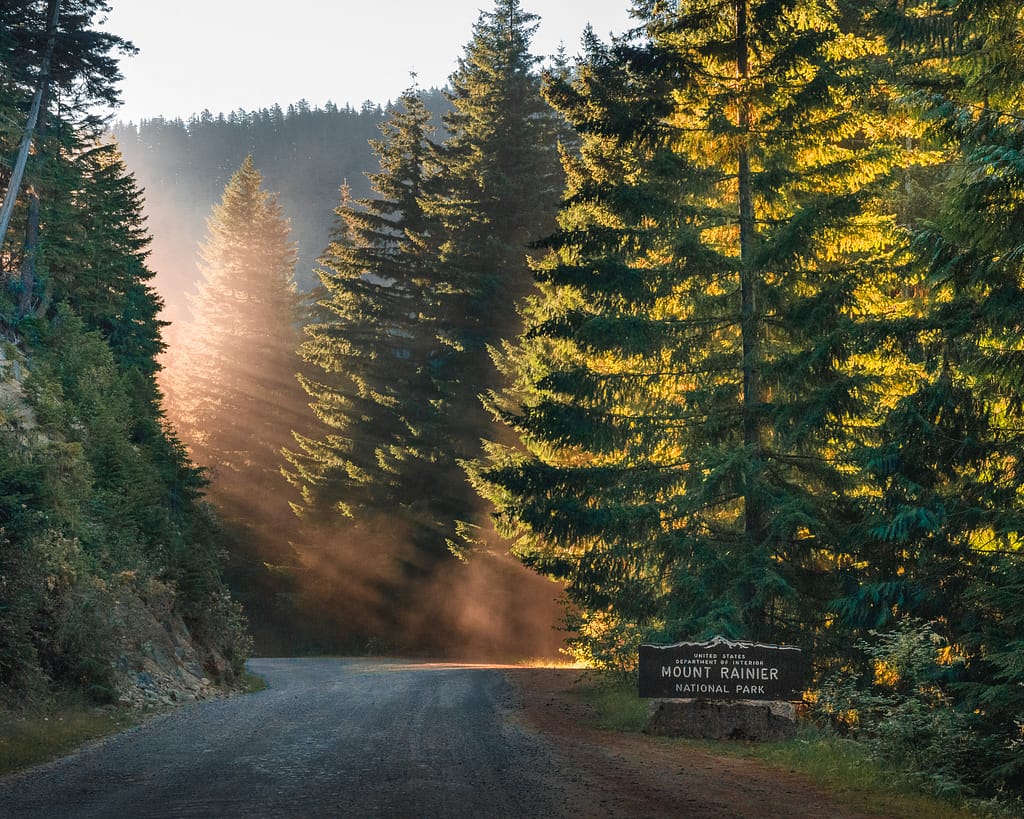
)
(622, 773)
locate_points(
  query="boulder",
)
(753, 720)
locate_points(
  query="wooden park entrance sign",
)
(722, 669)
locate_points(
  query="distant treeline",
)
(304, 152)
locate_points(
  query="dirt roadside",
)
(618, 774)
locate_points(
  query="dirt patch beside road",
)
(621, 774)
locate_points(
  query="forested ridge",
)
(305, 152)
(717, 326)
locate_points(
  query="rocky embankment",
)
(128, 623)
(158, 663)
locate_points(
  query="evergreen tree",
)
(229, 385)
(101, 508)
(420, 279)
(97, 263)
(947, 515)
(231, 388)
(83, 71)
(373, 346)
(370, 357)
(689, 386)
(493, 191)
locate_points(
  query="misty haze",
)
(442, 453)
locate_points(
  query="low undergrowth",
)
(843, 767)
(847, 769)
(251, 683)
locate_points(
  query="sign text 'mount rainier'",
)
(722, 669)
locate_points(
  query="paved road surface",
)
(343, 738)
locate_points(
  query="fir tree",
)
(688, 388)
(493, 191)
(947, 517)
(370, 357)
(373, 346)
(230, 383)
(100, 267)
(420, 279)
(83, 71)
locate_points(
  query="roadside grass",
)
(43, 732)
(837, 765)
(38, 733)
(845, 769)
(251, 683)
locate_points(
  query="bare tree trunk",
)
(28, 263)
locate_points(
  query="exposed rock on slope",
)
(158, 662)
(70, 618)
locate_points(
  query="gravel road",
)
(328, 737)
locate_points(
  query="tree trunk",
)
(29, 261)
(754, 523)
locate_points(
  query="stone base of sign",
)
(754, 720)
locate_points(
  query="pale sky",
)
(230, 54)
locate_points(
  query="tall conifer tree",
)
(231, 387)
(99, 266)
(688, 383)
(947, 517)
(83, 71)
(230, 383)
(494, 190)
(368, 476)
(372, 346)
(421, 279)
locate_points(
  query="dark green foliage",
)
(373, 347)
(99, 501)
(493, 192)
(419, 280)
(84, 71)
(944, 515)
(687, 382)
(993, 691)
(376, 370)
(81, 72)
(87, 503)
(898, 704)
(107, 281)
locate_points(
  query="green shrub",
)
(899, 707)
(84, 642)
(222, 632)
(92, 494)
(20, 596)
